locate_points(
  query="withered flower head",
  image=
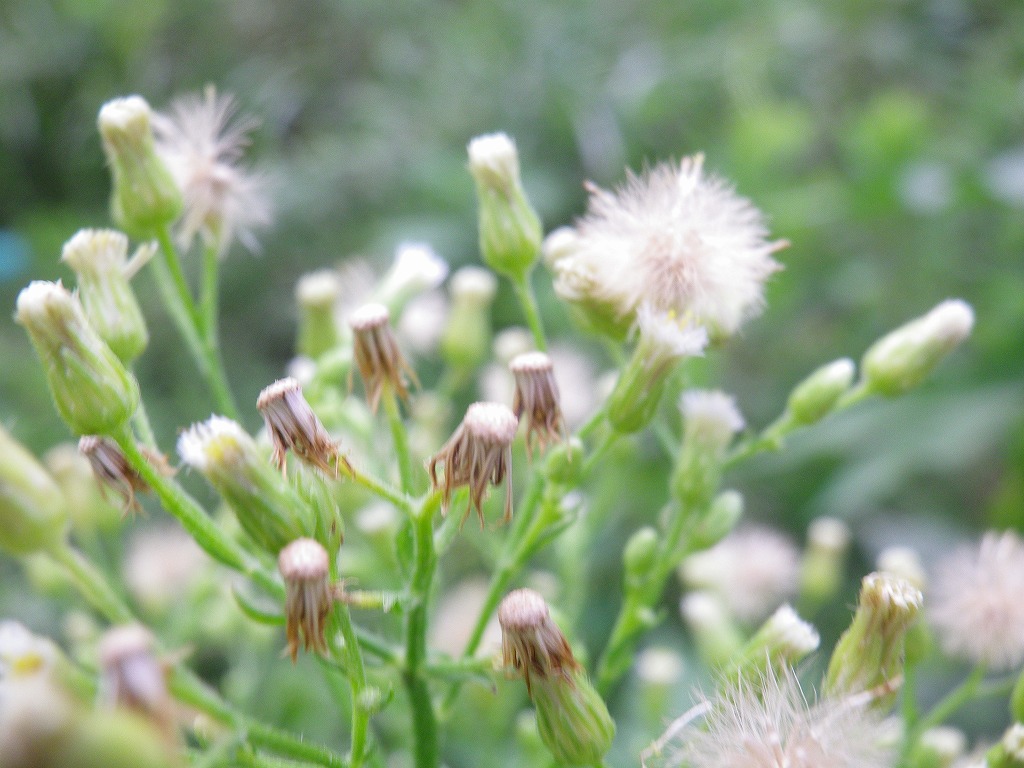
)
(132, 675)
(305, 566)
(376, 352)
(537, 395)
(112, 470)
(531, 642)
(478, 454)
(292, 424)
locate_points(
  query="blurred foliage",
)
(885, 140)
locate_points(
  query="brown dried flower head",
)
(375, 349)
(531, 642)
(305, 566)
(537, 395)
(478, 454)
(132, 675)
(112, 470)
(292, 424)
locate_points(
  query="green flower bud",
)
(1009, 752)
(718, 637)
(938, 747)
(870, 653)
(639, 555)
(145, 197)
(663, 341)
(564, 462)
(317, 294)
(900, 360)
(821, 571)
(99, 258)
(782, 641)
(267, 508)
(510, 230)
(722, 516)
(93, 391)
(116, 739)
(815, 397)
(571, 715)
(33, 511)
(466, 341)
(710, 420)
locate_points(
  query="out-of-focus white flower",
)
(422, 322)
(975, 602)
(201, 140)
(417, 268)
(673, 236)
(23, 654)
(711, 412)
(769, 723)
(753, 570)
(903, 562)
(161, 565)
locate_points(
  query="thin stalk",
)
(356, 679)
(92, 584)
(400, 439)
(143, 427)
(382, 489)
(528, 301)
(425, 745)
(209, 293)
(964, 693)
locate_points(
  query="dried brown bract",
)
(375, 349)
(537, 396)
(305, 566)
(478, 454)
(112, 470)
(531, 642)
(133, 677)
(292, 424)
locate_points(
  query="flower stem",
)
(528, 301)
(400, 439)
(382, 489)
(356, 680)
(92, 584)
(425, 747)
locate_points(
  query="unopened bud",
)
(870, 653)
(640, 555)
(292, 425)
(824, 558)
(782, 641)
(93, 391)
(815, 397)
(478, 454)
(317, 294)
(33, 511)
(99, 258)
(375, 349)
(537, 396)
(564, 462)
(145, 197)
(466, 340)
(571, 716)
(305, 566)
(710, 420)
(269, 510)
(510, 230)
(663, 341)
(717, 636)
(902, 359)
(721, 518)
(416, 269)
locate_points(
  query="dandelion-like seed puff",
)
(673, 236)
(201, 140)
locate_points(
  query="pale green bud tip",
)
(96, 251)
(125, 121)
(494, 161)
(219, 441)
(318, 290)
(894, 601)
(817, 395)
(474, 284)
(33, 511)
(904, 563)
(900, 361)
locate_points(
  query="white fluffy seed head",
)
(491, 423)
(372, 315)
(304, 560)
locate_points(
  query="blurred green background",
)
(885, 140)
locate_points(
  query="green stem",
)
(400, 439)
(383, 490)
(200, 336)
(425, 747)
(143, 427)
(357, 682)
(92, 584)
(524, 292)
(965, 692)
(208, 293)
